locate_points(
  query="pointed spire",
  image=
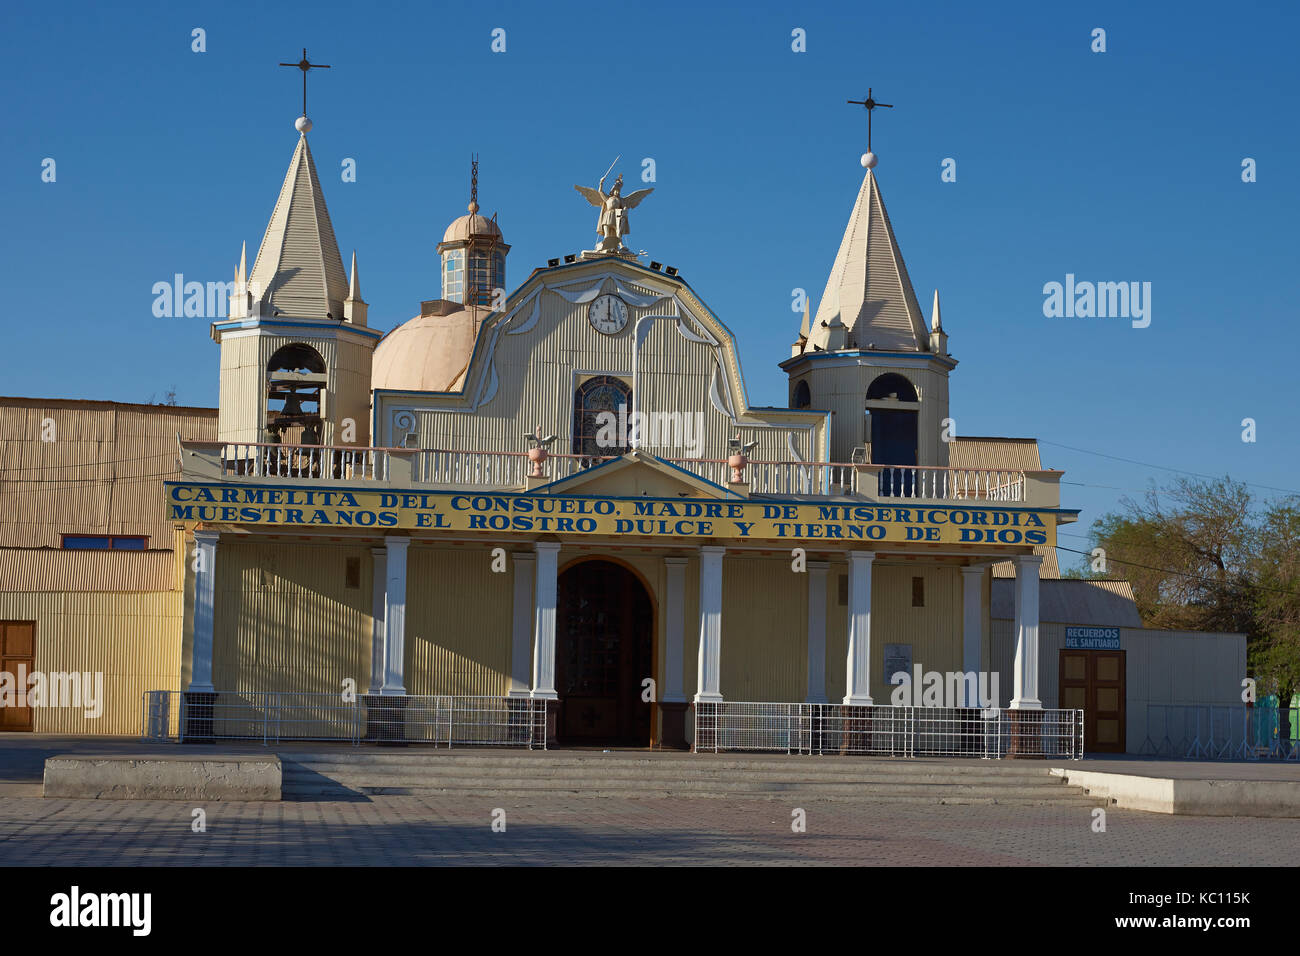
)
(354, 283)
(938, 337)
(243, 263)
(803, 326)
(354, 309)
(298, 269)
(869, 290)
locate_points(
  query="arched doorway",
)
(604, 649)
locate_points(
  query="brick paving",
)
(566, 829)
(433, 830)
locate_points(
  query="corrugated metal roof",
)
(869, 290)
(1010, 454)
(298, 266)
(102, 473)
(1072, 601)
(1048, 571)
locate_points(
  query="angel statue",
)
(612, 224)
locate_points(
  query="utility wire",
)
(1147, 464)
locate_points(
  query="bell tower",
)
(295, 349)
(866, 356)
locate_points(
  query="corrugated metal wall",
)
(1163, 667)
(458, 620)
(285, 619)
(103, 473)
(764, 629)
(244, 357)
(934, 631)
(134, 640)
(536, 373)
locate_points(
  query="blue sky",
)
(1115, 166)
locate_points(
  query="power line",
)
(1147, 464)
(1185, 574)
(83, 464)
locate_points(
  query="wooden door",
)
(604, 649)
(1093, 681)
(18, 659)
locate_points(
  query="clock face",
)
(607, 314)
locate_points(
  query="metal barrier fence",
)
(273, 716)
(1222, 732)
(888, 730)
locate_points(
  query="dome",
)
(426, 353)
(472, 226)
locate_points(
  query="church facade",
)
(563, 493)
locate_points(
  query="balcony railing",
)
(466, 468)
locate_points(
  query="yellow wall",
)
(285, 619)
(458, 622)
(764, 629)
(133, 638)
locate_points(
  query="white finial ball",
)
(302, 124)
(868, 160)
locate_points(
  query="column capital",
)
(712, 549)
(1028, 560)
(546, 547)
(522, 556)
(973, 572)
(861, 556)
(207, 537)
(819, 565)
(396, 541)
(676, 561)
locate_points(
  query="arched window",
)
(802, 396)
(295, 382)
(601, 407)
(891, 385)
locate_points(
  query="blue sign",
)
(1092, 638)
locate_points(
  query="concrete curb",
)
(1206, 798)
(175, 777)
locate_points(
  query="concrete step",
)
(391, 773)
(1036, 799)
(865, 790)
(684, 763)
(520, 774)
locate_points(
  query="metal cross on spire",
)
(304, 64)
(870, 104)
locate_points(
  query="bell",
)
(292, 406)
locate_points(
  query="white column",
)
(857, 685)
(544, 621)
(395, 616)
(674, 631)
(521, 624)
(709, 671)
(972, 629)
(378, 602)
(817, 632)
(1026, 676)
(205, 581)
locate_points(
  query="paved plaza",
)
(562, 828)
(455, 829)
